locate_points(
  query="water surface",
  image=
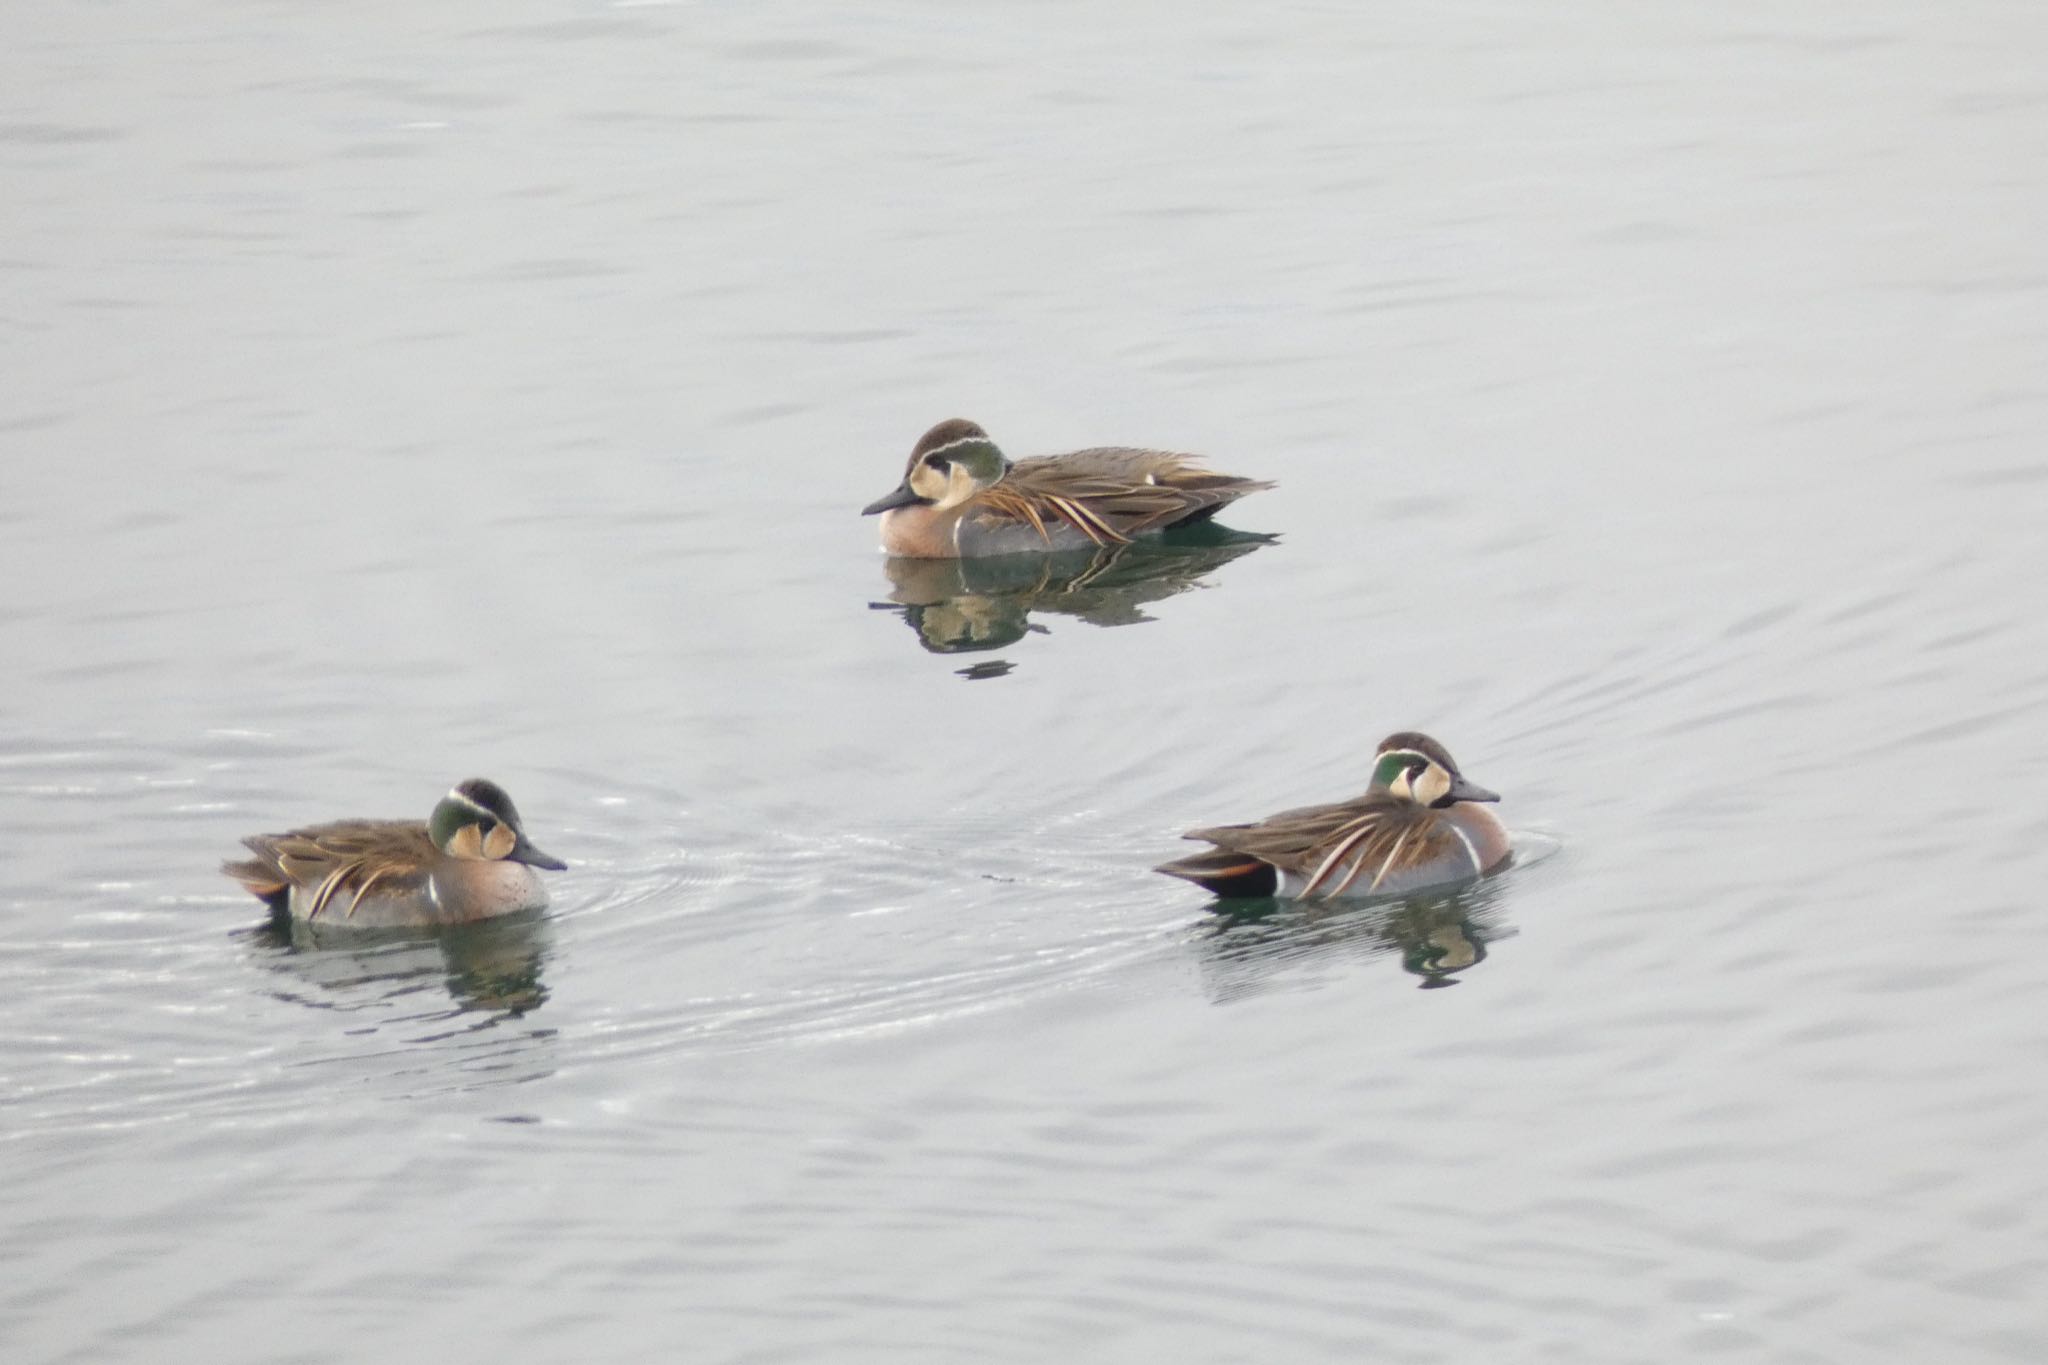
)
(1655, 401)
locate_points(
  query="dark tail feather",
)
(1223, 873)
(260, 880)
(1225, 490)
(1197, 517)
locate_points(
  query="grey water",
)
(1656, 397)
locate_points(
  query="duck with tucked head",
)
(961, 497)
(1419, 825)
(471, 860)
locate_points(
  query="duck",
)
(1422, 823)
(962, 498)
(469, 860)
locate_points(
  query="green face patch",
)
(1392, 764)
(979, 457)
(455, 812)
(449, 816)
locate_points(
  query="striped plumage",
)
(469, 860)
(1417, 826)
(962, 497)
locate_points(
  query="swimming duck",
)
(1418, 825)
(961, 497)
(470, 860)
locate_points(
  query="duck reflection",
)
(1253, 945)
(489, 965)
(960, 606)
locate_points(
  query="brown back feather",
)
(337, 862)
(1120, 491)
(1299, 840)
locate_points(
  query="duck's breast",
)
(469, 890)
(1483, 831)
(919, 532)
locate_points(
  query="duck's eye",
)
(938, 463)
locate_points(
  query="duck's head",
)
(478, 821)
(950, 464)
(1417, 768)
